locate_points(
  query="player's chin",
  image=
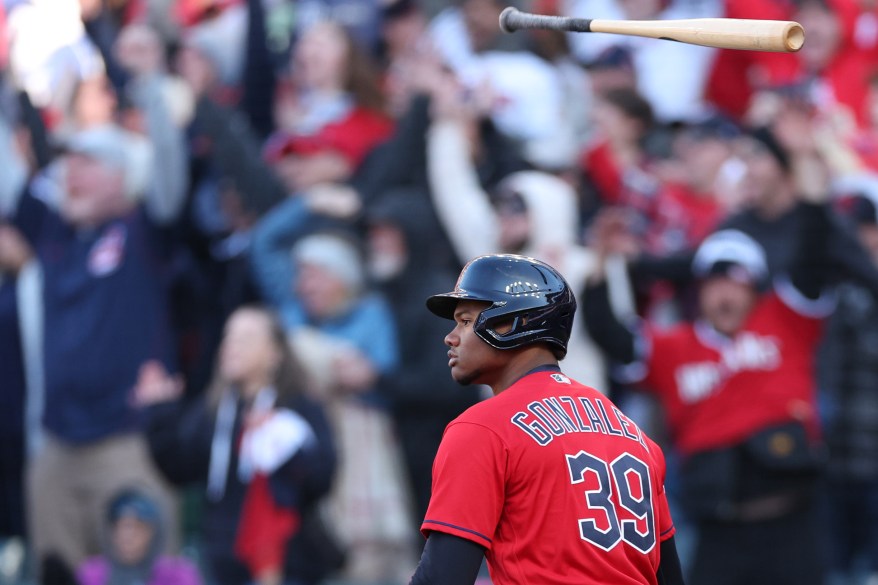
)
(462, 377)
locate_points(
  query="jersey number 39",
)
(628, 478)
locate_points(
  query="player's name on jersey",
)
(559, 415)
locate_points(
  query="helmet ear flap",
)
(503, 325)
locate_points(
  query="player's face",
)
(725, 303)
(472, 361)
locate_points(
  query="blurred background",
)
(219, 220)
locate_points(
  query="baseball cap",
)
(731, 253)
(126, 151)
(613, 57)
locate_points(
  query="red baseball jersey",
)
(556, 483)
(717, 391)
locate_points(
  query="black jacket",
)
(180, 437)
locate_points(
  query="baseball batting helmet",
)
(529, 293)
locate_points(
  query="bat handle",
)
(512, 19)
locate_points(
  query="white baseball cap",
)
(127, 151)
(731, 252)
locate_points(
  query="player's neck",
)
(522, 362)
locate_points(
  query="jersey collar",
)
(538, 369)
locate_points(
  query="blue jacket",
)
(106, 314)
(367, 325)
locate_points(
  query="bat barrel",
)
(724, 33)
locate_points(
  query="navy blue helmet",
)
(528, 293)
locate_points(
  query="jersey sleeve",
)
(469, 482)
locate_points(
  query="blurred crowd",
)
(219, 221)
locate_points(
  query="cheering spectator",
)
(308, 266)
(530, 212)
(97, 241)
(831, 70)
(334, 87)
(262, 447)
(739, 396)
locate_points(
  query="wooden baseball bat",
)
(779, 36)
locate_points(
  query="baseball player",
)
(547, 479)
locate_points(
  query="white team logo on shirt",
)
(106, 254)
(561, 378)
(749, 352)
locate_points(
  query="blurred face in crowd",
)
(824, 36)
(94, 102)
(640, 9)
(132, 538)
(402, 33)
(725, 302)
(481, 18)
(764, 179)
(868, 234)
(322, 292)
(248, 356)
(194, 67)
(94, 190)
(615, 125)
(514, 223)
(615, 77)
(320, 58)
(388, 253)
(702, 158)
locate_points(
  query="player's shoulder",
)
(479, 413)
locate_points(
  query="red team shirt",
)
(717, 391)
(555, 483)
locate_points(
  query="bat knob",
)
(504, 19)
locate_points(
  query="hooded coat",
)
(153, 569)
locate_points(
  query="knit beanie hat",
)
(335, 253)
